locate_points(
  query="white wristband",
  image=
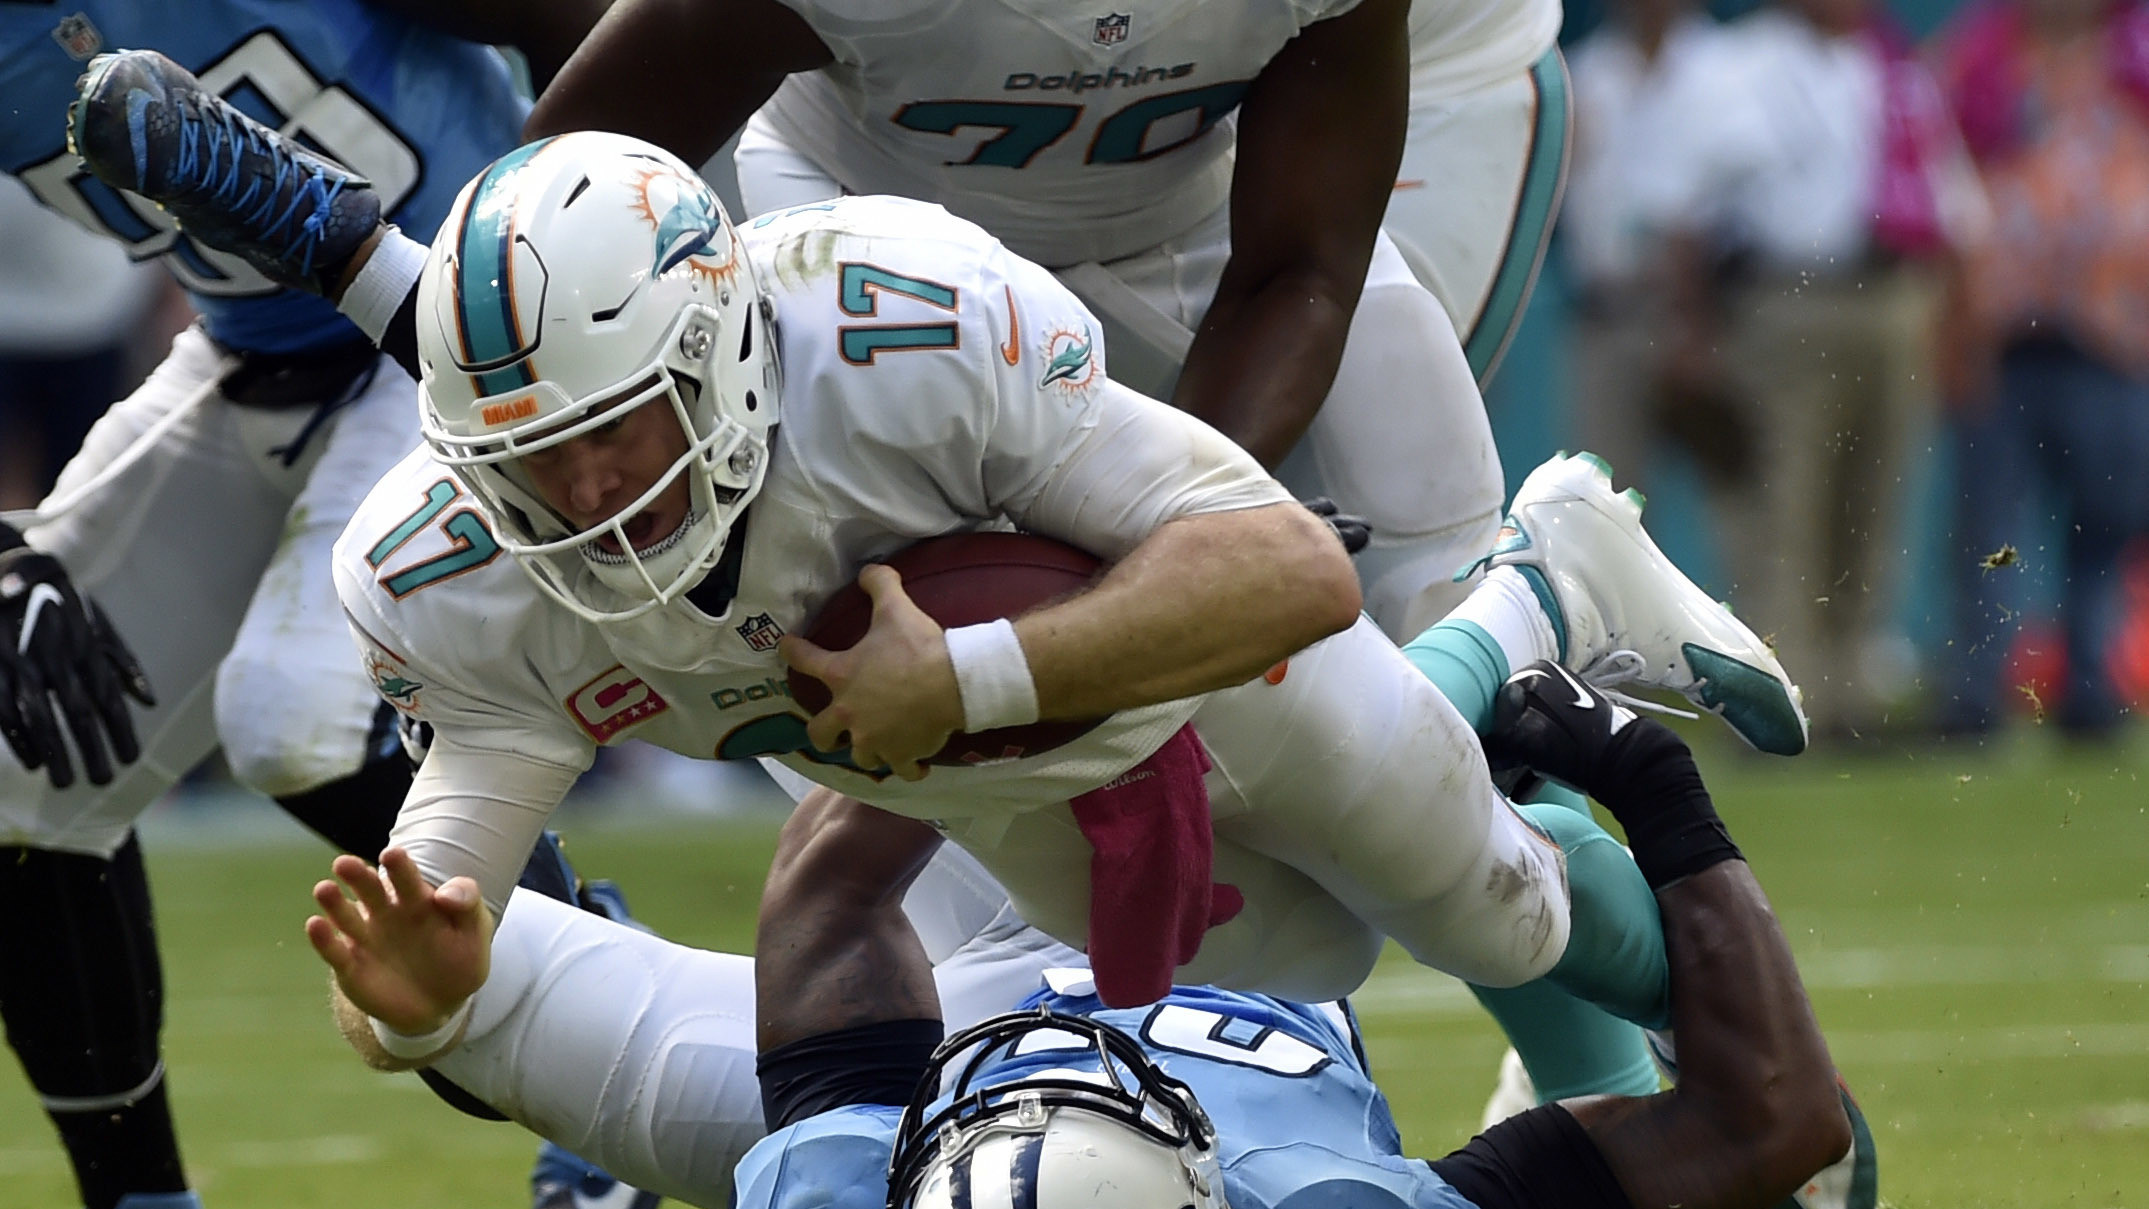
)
(403, 1045)
(993, 676)
(386, 278)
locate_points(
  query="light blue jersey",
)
(1299, 1123)
(417, 112)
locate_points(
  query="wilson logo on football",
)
(612, 702)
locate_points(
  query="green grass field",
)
(1974, 927)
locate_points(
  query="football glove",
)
(61, 660)
(1355, 531)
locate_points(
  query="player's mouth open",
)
(640, 530)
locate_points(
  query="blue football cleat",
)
(143, 123)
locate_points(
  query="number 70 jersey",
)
(1072, 133)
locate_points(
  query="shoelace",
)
(205, 138)
(1624, 666)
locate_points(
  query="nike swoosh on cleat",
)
(1011, 352)
(41, 596)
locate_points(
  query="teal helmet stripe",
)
(483, 256)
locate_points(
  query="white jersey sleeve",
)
(464, 663)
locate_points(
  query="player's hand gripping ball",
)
(965, 579)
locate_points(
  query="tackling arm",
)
(833, 949)
(1755, 1112)
(606, 84)
(1320, 134)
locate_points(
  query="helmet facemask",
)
(576, 281)
(722, 464)
(1126, 1127)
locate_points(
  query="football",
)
(965, 579)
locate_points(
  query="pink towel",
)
(1150, 897)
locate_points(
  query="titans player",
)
(199, 516)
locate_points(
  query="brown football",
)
(965, 579)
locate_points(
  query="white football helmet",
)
(575, 277)
(1127, 1136)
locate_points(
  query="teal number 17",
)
(863, 285)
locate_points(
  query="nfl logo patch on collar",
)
(760, 632)
(1111, 30)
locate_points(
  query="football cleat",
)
(562, 1180)
(1548, 720)
(143, 123)
(1624, 614)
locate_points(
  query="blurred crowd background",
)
(1857, 293)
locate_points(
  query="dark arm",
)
(834, 950)
(716, 61)
(546, 31)
(1755, 1112)
(1320, 136)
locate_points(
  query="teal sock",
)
(1572, 1027)
(1570, 1048)
(1549, 794)
(1465, 663)
(1468, 667)
(1615, 947)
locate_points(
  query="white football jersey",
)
(1460, 45)
(1071, 133)
(933, 384)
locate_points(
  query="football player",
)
(605, 361)
(197, 521)
(1211, 180)
(1207, 1097)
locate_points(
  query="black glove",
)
(1355, 531)
(57, 647)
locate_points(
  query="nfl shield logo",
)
(1113, 29)
(78, 38)
(760, 632)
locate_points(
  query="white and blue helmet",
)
(575, 276)
(1124, 1136)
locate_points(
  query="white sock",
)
(1506, 607)
(386, 278)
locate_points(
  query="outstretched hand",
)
(893, 698)
(404, 952)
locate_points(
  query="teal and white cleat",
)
(1625, 615)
